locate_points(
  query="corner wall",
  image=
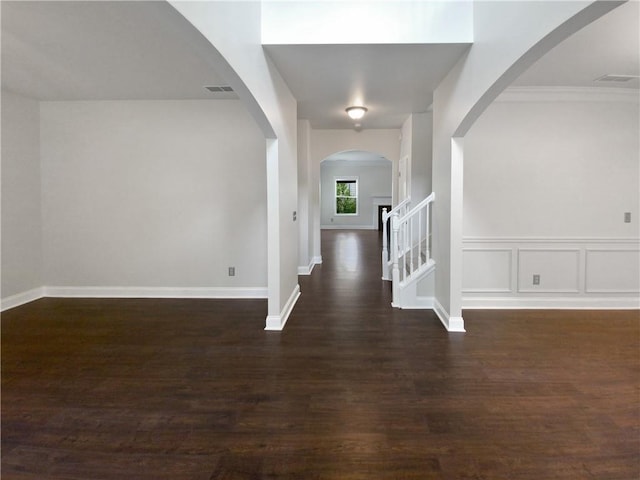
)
(549, 174)
(21, 199)
(508, 38)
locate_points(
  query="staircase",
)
(406, 251)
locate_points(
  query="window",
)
(346, 196)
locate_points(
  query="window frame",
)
(346, 179)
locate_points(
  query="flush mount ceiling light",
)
(356, 112)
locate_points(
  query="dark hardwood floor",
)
(352, 389)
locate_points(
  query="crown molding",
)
(569, 94)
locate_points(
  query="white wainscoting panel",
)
(612, 270)
(558, 269)
(574, 273)
(486, 270)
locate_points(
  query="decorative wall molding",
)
(560, 302)
(633, 258)
(571, 280)
(569, 94)
(551, 240)
(509, 270)
(584, 272)
(277, 322)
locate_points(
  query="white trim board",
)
(133, 292)
(555, 303)
(277, 322)
(18, 299)
(451, 324)
(572, 240)
(348, 227)
(156, 292)
(569, 94)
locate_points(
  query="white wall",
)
(548, 177)
(385, 142)
(21, 202)
(234, 30)
(374, 188)
(508, 38)
(416, 143)
(305, 191)
(153, 194)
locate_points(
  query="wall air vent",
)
(616, 78)
(221, 91)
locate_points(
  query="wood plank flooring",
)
(352, 389)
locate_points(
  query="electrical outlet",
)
(232, 271)
(295, 216)
(627, 217)
(536, 279)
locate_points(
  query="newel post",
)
(395, 273)
(385, 247)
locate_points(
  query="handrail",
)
(416, 209)
(395, 211)
(397, 208)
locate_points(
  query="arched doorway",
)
(354, 186)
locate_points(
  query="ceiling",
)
(80, 50)
(357, 155)
(390, 80)
(610, 45)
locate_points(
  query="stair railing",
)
(410, 244)
(398, 210)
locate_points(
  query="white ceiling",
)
(610, 45)
(78, 50)
(390, 80)
(145, 50)
(357, 155)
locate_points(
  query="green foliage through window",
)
(346, 197)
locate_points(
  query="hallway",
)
(351, 389)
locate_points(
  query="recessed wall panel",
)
(486, 270)
(612, 271)
(557, 270)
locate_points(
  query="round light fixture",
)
(356, 112)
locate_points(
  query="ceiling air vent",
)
(221, 92)
(219, 88)
(616, 78)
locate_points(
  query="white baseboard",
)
(21, 298)
(418, 303)
(306, 270)
(277, 322)
(452, 324)
(156, 292)
(131, 292)
(348, 227)
(560, 303)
